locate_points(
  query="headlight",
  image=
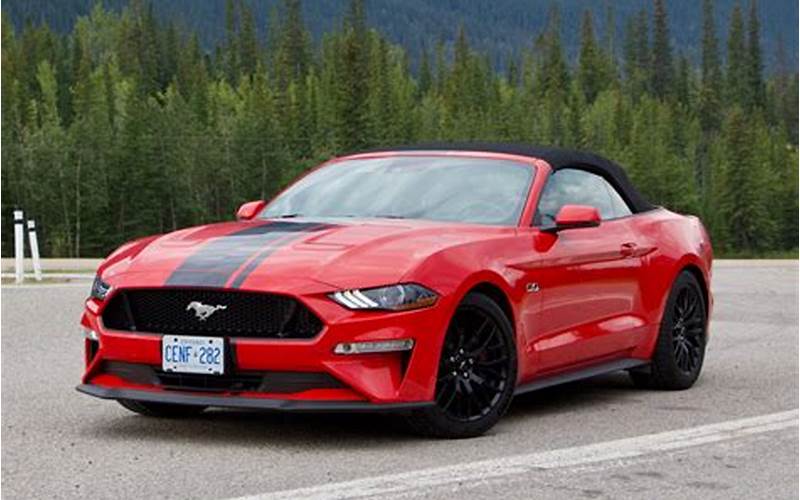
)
(100, 288)
(401, 297)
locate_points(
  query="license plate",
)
(183, 354)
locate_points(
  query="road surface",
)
(734, 435)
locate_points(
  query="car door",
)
(588, 278)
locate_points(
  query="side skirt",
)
(592, 371)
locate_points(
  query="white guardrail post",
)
(19, 247)
(34, 242)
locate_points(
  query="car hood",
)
(286, 254)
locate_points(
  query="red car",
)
(436, 281)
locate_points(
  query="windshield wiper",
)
(352, 216)
(388, 216)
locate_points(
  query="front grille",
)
(269, 382)
(237, 314)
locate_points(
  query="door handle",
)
(627, 249)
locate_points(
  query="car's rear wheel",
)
(680, 348)
(477, 372)
(161, 409)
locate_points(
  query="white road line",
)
(404, 482)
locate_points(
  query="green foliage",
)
(754, 64)
(736, 74)
(590, 64)
(126, 127)
(662, 52)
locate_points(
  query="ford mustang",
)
(434, 281)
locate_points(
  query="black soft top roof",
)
(557, 158)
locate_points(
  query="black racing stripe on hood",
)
(214, 263)
(256, 261)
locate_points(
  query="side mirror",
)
(574, 217)
(250, 209)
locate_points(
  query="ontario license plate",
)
(183, 354)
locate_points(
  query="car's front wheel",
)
(681, 345)
(161, 409)
(477, 372)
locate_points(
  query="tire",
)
(165, 410)
(681, 345)
(477, 373)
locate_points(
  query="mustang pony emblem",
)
(203, 311)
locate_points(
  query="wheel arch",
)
(701, 279)
(499, 297)
(665, 272)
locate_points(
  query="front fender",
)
(456, 271)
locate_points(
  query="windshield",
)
(470, 190)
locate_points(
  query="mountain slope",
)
(496, 27)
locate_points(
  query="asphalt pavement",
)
(734, 435)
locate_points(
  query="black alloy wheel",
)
(473, 372)
(477, 372)
(681, 345)
(688, 330)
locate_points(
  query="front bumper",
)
(306, 406)
(366, 382)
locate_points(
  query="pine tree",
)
(682, 83)
(609, 34)
(656, 164)
(710, 72)
(356, 19)
(457, 96)
(293, 47)
(380, 112)
(169, 64)
(743, 201)
(637, 54)
(230, 51)
(441, 67)
(736, 71)
(552, 85)
(48, 166)
(351, 92)
(608, 51)
(784, 101)
(590, 70)
(512, 71)
(149, 49)
(425, 75)
(553, 74)
(248, 43)
(754, 64)
(662, 51)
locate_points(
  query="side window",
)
(621, 209)
(571, 186)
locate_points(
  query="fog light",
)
(373, 347)
(91, 334)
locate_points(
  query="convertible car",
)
(435, 281)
